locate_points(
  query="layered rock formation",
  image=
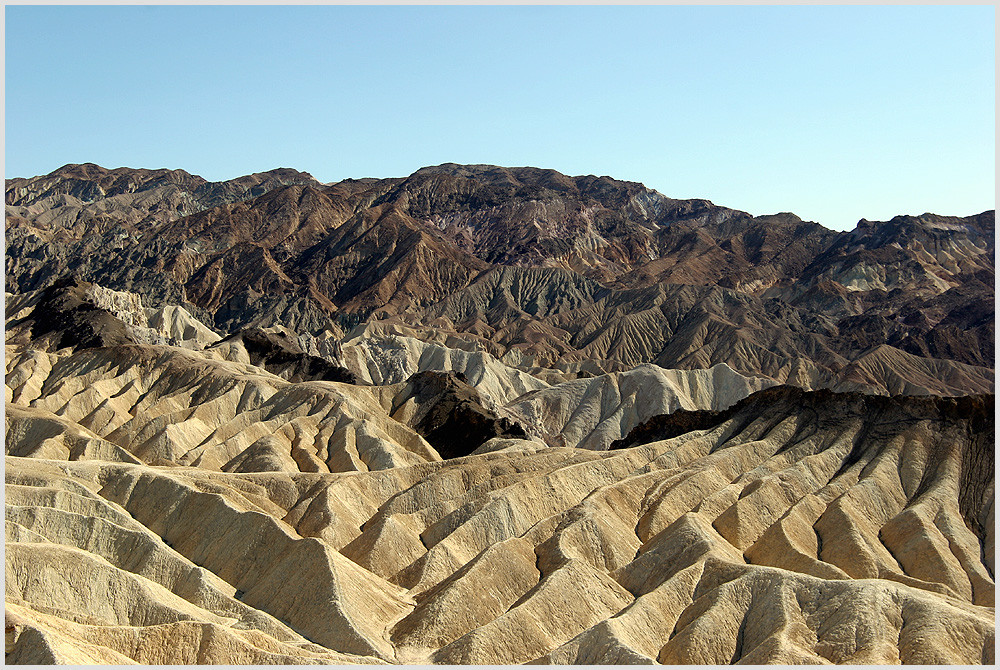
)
(489, 415)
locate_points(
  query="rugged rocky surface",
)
(591, 413)
(79, 314)
(541, 270)
(79, 201)
(450, 414)
(486, 415)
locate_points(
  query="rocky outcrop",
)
(78, 314)
(391, 358)
(278, 351)
(180, 327)
(592, 413)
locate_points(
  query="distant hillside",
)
(540, 269)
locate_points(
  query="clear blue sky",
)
(834, 113)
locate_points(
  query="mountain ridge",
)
(555, 268)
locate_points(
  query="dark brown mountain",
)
(85, 214)
(531, 265)
(276, 351)
(90, 183)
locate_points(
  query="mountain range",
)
(489, 415)
(549, 271)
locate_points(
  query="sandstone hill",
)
(164, 507)
(485, 415)
(86, 353)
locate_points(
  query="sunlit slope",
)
(813, 527)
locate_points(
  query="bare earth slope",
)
(170, 505)
(798, 528)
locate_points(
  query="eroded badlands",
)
(164, 506)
